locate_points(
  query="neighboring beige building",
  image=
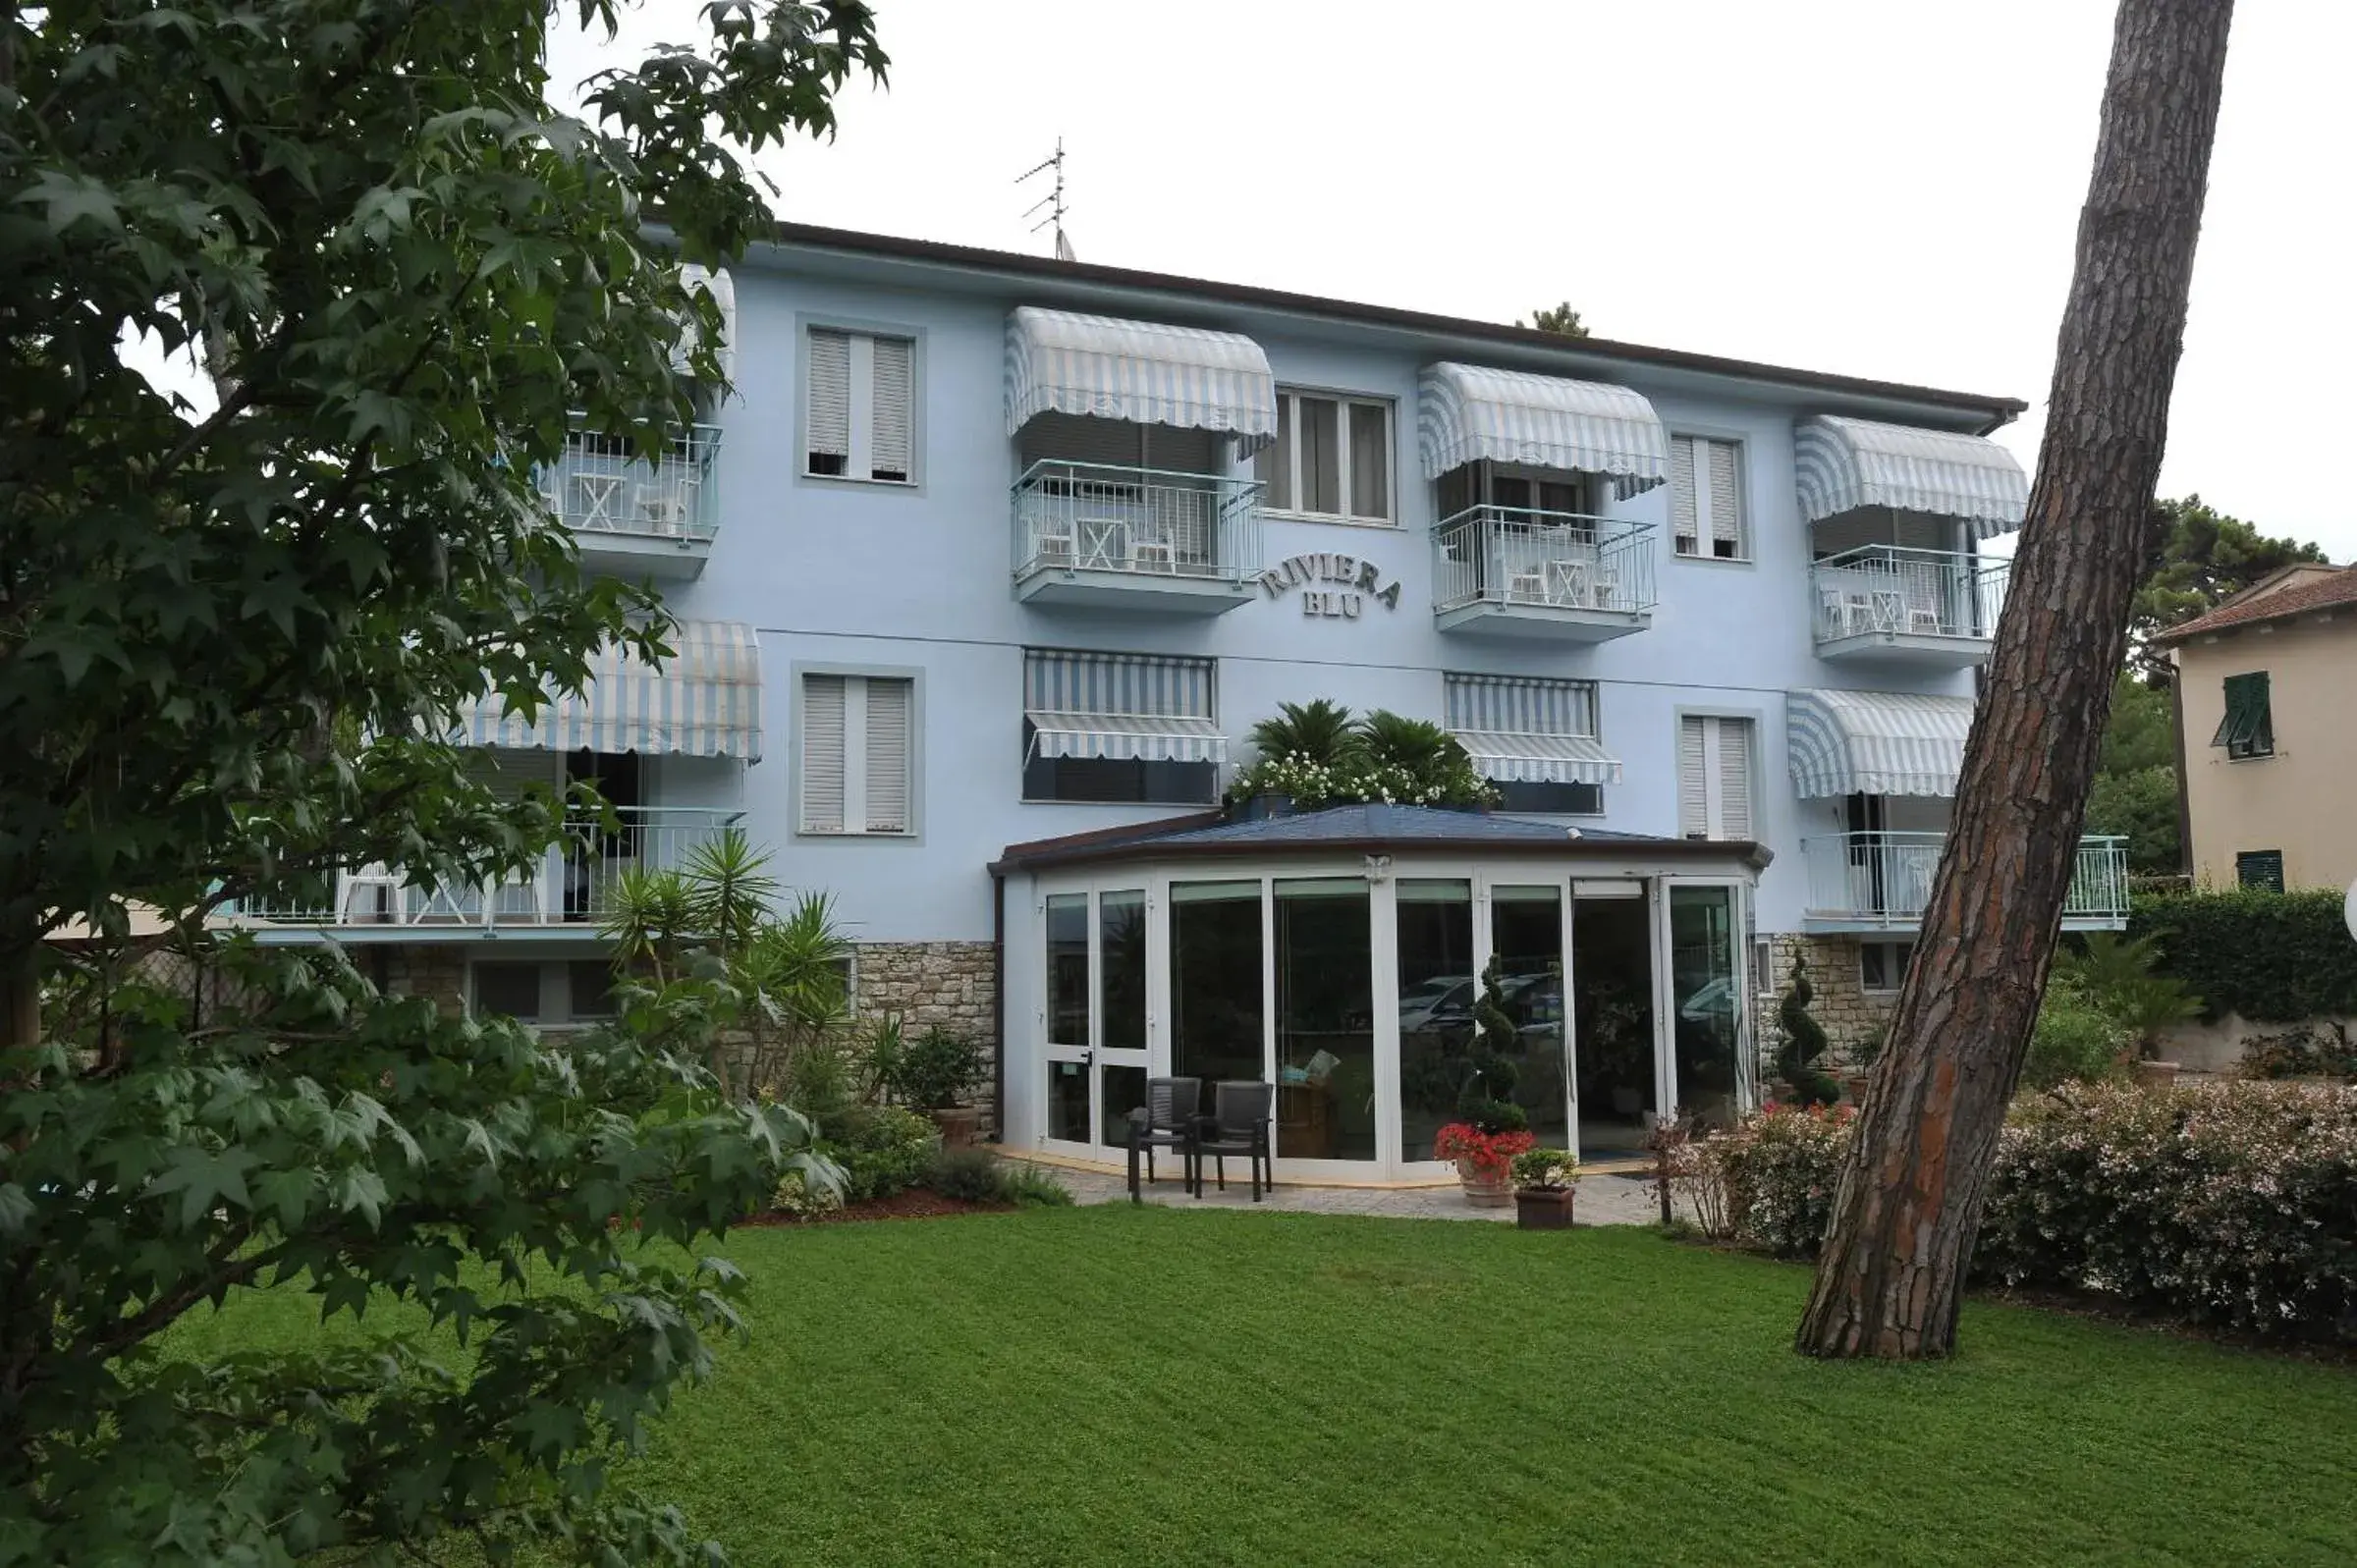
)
(2267, 693)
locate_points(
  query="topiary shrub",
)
(1804, 1042)
(1486, 1099)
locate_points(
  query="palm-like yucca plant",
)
(788, 984)
(1417, 746)
(1317, 732)
(650, 917)
(731, 889)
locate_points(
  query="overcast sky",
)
(1879, 188)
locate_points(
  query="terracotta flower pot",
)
(957, 1125)
(1486, 1189)
(1543, 1208)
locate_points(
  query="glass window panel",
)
(1122, 960)
(1325, 1020)
(1435, 934)
(1068, 1101)
(1526, 936)
(1067, 969)
(1214, 981)
(1124, 1092)
(1370, 460)
(1508, 491)
(509, 988)
(1702, 989)
(1318, 425)
(1612, 973)
(591, 984)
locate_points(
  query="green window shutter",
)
(2248, 729)
(2259, 868)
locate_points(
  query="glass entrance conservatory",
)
(1338, 955)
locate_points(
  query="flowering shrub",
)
(1546, 1168)
(2320, 1050)
(1778, 1174)
(1311, 784)
(1490, 1153)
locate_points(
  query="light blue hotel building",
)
(986, 564)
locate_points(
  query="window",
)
(860, 415)
(1133, 728)
(1332, 458)
(1706, 499)
(2259, 868)
(553, 993)
(2249, 726)
(1534, 738)
(1714, 777)
(858, 754)
(1882, 965)
(512, 989)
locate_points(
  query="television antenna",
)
(1053, 201)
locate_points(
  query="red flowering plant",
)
(1490, 1153)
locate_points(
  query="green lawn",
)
(1109, 1385)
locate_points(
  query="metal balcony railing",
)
(1930, 593)
(569, 885)
(604, 486)
(1512, 555)
(1887, 877)
(1143, 522)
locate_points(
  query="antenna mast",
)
(1053, 201)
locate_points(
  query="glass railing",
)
(1512, 556)
(1931, 593)
(1887, 877)
(1139, 522)
(605, 486)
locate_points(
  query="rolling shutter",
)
(1713, 778)
(1693, 781)
(1682, 511)
(890, 451)
(1727, 494)
(822, 754)
(829, 414)
(1734, 780)
(887, 755)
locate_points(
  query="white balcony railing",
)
(604, 486)
(1512, 556)
(1925, 593)
(569, 885)
(1887, 877)
(1141, 523)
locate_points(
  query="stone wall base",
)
(949, 985)
(1849, 1012)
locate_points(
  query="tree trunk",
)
(21, 997)
(1892, 1270)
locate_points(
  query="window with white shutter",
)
(858, 754)
(1713, 778)
(859, 417)
(1332, 458)
(1707, 511)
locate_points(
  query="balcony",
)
(1929, 608)
(634, 518)
(1555, 576)
(565, 894)
(1089, 536)
(1882, 880)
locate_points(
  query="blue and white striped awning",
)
(1841, 464)
(1140, 372)
(1466, 414)
(1875, 742)
(1123, 707)
(704, 701)
(1522, 731)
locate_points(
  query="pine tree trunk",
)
(1891, 1273)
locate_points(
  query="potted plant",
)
(933, 1074)
(1545, 1180)
(1492, 1129)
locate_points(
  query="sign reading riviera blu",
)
(1357, 578)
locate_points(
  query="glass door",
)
(1096, 1018)
(1709, 1075)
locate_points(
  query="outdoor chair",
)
(1167, 1121)
(1237, 1126)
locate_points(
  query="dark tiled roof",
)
(2322, 593)
(1354, 827)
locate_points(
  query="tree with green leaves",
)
(232, 640)
(2204, 558)
(2135, 788)
(1561, 320)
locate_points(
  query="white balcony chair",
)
(596, 501)
(1923, 609)
(1889, 610)
(1150, 550)
(668, 506)
(372, 880)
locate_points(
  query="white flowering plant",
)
(1316, 755)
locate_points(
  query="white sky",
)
(1873, 187)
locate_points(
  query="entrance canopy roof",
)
(1364, 829)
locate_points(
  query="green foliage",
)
(233, 639)
(1804, 1042)
(969, 1175)
(2204, 558)
(1317, 755)
(2077, 1039)
(1319, 731)
(1485, 1098)
(934, 1072)
(2312, 1050)
(1561, 320)
(2117, 974)
(2273, 957)
(1548, 1170)
(1029, 1186)
(2135, 788)
(884, 1150)
(1779, 1173)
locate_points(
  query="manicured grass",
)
(1109, 1385)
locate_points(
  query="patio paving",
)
(1604, 1200)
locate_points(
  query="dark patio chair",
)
(1238, 1125)
(1167, 1121)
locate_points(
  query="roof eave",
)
(1051, 854)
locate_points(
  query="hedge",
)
(2274, 957)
